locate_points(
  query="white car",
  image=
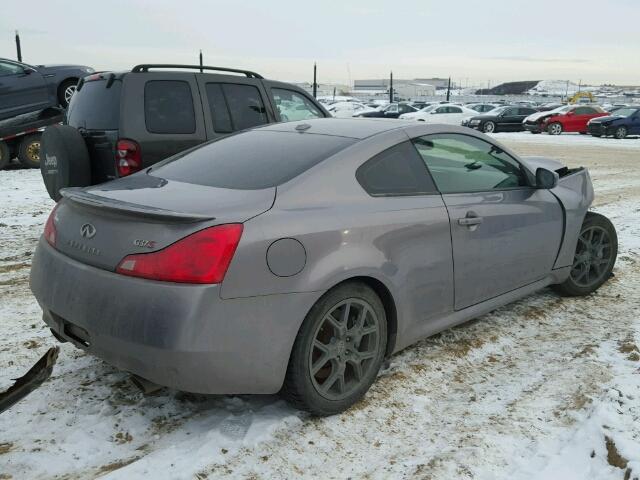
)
(347, 109)
(449, 114)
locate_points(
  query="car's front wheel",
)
(621, 132)
(594, 258)
(555, 128)
(338, 351)
(66, 90)
(489, 127)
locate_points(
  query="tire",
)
(587, 258)
(5, 155)
(66, 90)
(489, 127)
(65, 160)
(554, 128)
(620, 133)
(29, 151)
(312, 392)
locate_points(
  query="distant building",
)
(326, 89)
(383, 83)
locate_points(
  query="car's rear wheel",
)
(621, 132)
(338, 351)
(594, 258)
(489, 127)
(66, 90)
(555, 128)
(29, 151)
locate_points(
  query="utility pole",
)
(449, 89)
(391, 87)
(18, 49)
(315, 78)
(201, 69)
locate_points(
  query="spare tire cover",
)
(64, 160)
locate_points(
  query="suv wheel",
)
(338, 351)
(66, 90)
(595, 256)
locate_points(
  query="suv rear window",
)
(168, 107)
(96, 107)
(250, 161)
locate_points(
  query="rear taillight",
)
(128, 157)
(202, 257)
(50, 227)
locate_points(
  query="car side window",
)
(442, 110)
(462, 163)
(455, 110)
(293, 106)
(525, 111)
(7, 68)
(235, 106)
(168, 107)
(584, 111)
(397, 171)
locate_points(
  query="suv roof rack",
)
(146, 66)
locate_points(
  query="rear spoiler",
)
(77, 195)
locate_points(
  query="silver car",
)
(295, 257)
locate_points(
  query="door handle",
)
(469, 221)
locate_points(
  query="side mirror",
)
(28, 70)
(546, 178)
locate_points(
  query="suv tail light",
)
(50, 227)
(202, 257)
(128, 157)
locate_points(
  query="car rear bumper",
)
(176, 335)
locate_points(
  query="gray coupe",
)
(295, 257)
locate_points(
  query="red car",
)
(571, 118)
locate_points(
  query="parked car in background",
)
(620, 123)
(502, 119)
(441, 113)
(295, 260)
(27, 88)
(569, 118)
(546, 107)
(482, 107)
(392, 110)
(347, 109)
(119, 123)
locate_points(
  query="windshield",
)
(624, 112)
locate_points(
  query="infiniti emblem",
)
(87, 230)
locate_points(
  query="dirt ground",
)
(547, 387)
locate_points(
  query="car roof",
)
(358, 128)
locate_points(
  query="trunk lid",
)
(101, 225)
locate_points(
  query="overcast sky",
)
(473, 41)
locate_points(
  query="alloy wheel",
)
(593, 254)
(555, 129)
(489, 127)
(345, 346)
(69, 92)
(621, 132)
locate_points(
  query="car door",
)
(634, 123)
(454, 115)
(505, 233)
(580, 117)
(22, 89)
(510, 119)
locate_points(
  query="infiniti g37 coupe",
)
(295, 257)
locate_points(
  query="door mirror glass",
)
(28, 70)
(546, 178)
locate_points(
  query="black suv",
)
(120, 123)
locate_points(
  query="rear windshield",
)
(95, 107)
(251, 160)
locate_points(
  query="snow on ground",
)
(544, 388)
